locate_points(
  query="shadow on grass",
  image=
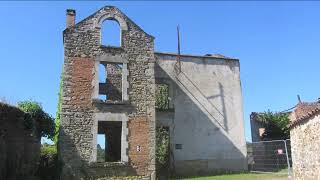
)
(238, 176)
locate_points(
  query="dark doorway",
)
(112, 132)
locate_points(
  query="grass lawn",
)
(244, 176)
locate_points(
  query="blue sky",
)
(277, 44)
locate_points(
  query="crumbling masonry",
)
(204, 104)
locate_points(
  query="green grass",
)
(243, 176)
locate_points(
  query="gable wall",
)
(80, 110)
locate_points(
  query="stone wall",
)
(19, 147)
(305, 147)
(80, 108)
(257, 127)
(114, 82)
(76, 114)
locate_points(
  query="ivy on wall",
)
(162, 146)
(162, 97)
(36, 119)
(58, 113)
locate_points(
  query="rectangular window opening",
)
(110, 81)
(178, 146)
(109, 141)
(162, 97)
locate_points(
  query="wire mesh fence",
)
(270, 156)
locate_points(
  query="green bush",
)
(276, 125)
(48, 165)
(162, 152)
(162, 145)
(36, 118)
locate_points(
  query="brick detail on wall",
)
(139, 136)
(76, 114)
(81, 77)
(82, 50)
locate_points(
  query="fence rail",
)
(270, 156)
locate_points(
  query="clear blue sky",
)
(277, 44)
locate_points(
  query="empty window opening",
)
(102, 80)
(178, 146)
(101, 139)
(110, 82)
(111, 131)
(110, 33)
(162, 97)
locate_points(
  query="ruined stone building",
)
(259, 127)
(201, 106)
(305, 140)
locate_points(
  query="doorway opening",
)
(111, 131)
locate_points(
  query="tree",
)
(37, 119)
(100, 154)
(276, 125)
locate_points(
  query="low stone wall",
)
(305, 147)
(19, 148)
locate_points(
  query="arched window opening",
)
(110, 33)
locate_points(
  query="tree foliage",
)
(276, 125)
(48, 165)
(100, 154)
(37, 119)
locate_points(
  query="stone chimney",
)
(71, 17)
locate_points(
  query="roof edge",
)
(303, 112)
(198, 56)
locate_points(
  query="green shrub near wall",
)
(49, 164)
(162, 153)
(36, 119)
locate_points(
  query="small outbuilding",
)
(305, 140)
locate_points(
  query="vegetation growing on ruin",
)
(100, 154)
(36, 118)
(58, 113)
(162, 145)
(162, 97)
(276, 125)
(48, 164)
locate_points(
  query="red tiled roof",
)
(303, 112)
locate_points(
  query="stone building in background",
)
(305, 140)
(257, 127)
(201, 106)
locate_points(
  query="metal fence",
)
(270, 156)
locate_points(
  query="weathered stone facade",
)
(81, 107)
(204, 114)
(305, 140)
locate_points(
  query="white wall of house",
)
(208, 116)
